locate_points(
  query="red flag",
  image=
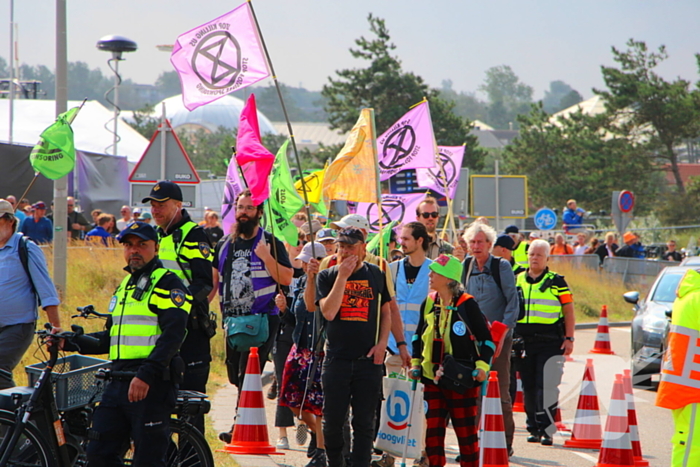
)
(255, 161)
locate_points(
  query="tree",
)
(168, 84)
(384, 86)
(575, 157)
(467, 105)
(507, 96)
(560, 96)
(649, 107)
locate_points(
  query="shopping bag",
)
(402, 418)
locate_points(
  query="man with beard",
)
(184, 249)
(251, 266)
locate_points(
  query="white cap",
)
(306, 253)
(355, 221)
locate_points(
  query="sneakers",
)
(534, 439)
(312, 446)
(546, 441)
(319, 459)
(386, 460)
(225, 436)
(302, 434)
(283, 443)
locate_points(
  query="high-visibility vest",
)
(169, 253)
(409, 298)
(680, 370)
(520, 253)
(541, 306)
(135, 328)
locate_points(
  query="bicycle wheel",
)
(31, 449)
(188, 447)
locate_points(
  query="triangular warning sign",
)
(178, 166)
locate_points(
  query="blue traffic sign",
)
(626, 201)
(545, 219)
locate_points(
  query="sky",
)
(308, 40)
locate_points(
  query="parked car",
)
(651, 324)
(691, 261)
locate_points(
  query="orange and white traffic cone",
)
(616, 449)
(493, 451)
(587, 431)
(639, 461)
(519, 402)
(602, 338)
(250, 430)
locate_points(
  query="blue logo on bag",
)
(459, 328)
(398, 408)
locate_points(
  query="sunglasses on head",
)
(434, 215)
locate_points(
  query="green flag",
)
(284, 200)
(54, 154)
(373, 243)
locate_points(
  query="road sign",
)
(512, 195)
(545, 219)
(621, 218)
(626, 201)
(178, 166)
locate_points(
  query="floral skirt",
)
(294, 377)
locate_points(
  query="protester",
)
(100, 234)
(23, 287)
(450, 323)
(547, 330)
(560, 246)
(428, 214)
(146, 217)
(671, 254)
(327, 238)
(38, 227)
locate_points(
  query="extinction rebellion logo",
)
(450, 171)
(393, 209)
(398, 149)
(218, 59)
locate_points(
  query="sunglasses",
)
(434, 215)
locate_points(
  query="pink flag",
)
(255, 161)
(399, 208)
(451, 158)
(219, 57)
(408, 143)
(234, 185)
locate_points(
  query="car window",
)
(666, 289)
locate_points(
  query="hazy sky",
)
(542, 40)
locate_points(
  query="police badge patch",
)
(177, 296)
(112, 303)
(205, 249)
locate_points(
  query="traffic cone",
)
(602, 339)
(250, 430)
(616, 449)
(558, 423)
(493, 452)
(587, 432)
(519, 402)
(639, 461)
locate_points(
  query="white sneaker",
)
(283, 443)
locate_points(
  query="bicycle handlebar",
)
(88, 312)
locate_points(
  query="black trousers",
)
(541, 370)
(236, 362)
(283, 415)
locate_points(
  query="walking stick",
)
(414, 385)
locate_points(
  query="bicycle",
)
(35, 431)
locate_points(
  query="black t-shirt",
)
(672, 256)
(410, 271)
(353, 332)
(237, 270)
(214, 233)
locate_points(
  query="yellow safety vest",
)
(541, 307)
(169, 253)
(135, 328)
(520, 253)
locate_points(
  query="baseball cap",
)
(136, 211)
(6, 208)
(325, 235)
(448, 266)
(306, 252)
(535, 235)
(145, 215)
(629, 237)
(163, 191)
(39, 205)
(355, 221)
(350, 236)
(140, 229)
(315, 225)
(504, 240)
(512, 229)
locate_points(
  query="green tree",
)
(650, 108)
(507, 96)
(384, 86)
(467, 105)
(560, 96)
(575, 157)
(168, 83)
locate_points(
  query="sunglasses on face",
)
(434, 215)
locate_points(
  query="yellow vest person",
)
(144, 333)
(679, 389)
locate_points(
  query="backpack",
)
(495, 268)
(24, 259)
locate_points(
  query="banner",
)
(352, 176)
(284, 201)
(399, 208)
(407, 144)
(54, 154)
(219, 57)
(451, 160)
(314, 186)
(253, 158)
(234, 185)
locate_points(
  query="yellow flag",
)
(314, 185)
(352, 176)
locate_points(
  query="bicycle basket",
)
(73, 378)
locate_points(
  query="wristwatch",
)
(400, 343)
(569, 339)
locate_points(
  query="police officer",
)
(185, 250)
(149, 315)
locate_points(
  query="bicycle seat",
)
(7, 397)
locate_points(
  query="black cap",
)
(163, 191)
(141, 230)
(505, 241)
(350, 236)
(512, 229)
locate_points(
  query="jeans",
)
(356, 384)
(14, 341)
(544, 363)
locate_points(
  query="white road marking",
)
(586, 456)
(627, 330)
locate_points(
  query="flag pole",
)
(289, 125)
(379, 183)
(438, 159)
